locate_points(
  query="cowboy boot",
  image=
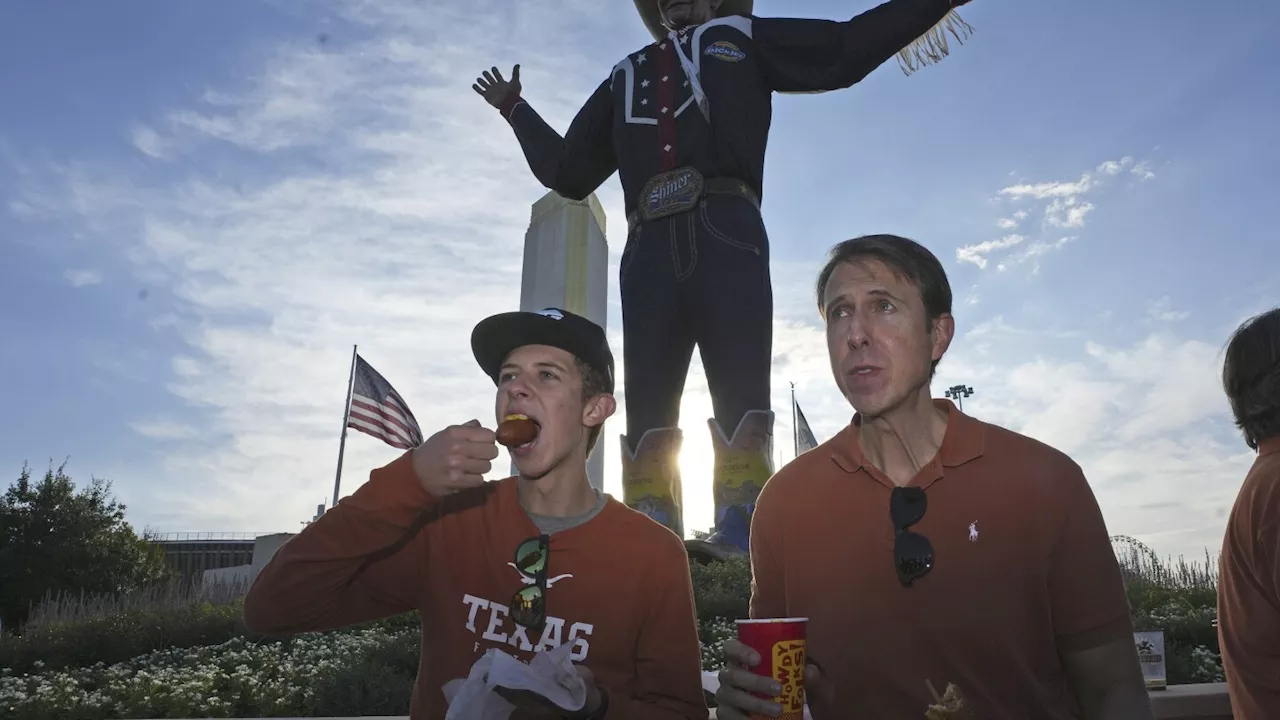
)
(651, 477)
(743, 463)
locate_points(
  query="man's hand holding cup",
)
(739, 695)
(764, 674)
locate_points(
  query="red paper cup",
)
(781, 644)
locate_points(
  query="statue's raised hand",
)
(495, 89)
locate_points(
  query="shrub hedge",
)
(193, 657)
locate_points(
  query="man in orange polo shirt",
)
(928, 548)
(1249, 568)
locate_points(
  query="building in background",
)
(191, 554)
(261, 550)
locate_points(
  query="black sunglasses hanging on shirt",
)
(529, 604)
(912, 552)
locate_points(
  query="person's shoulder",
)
(640, 528)
(1019, 458)
(642, 539)
(1265, 472)
(1018, 452)
(808, 467)
(1259, 495)
(644, 542)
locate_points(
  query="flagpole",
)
(795, 429)
(346, 416)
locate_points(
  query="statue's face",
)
(677, 14)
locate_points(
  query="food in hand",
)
(517, 430)
(949, 707)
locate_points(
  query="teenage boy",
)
(523, 564)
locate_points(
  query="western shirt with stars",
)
(645, 119)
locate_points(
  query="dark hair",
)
(1251, 377)
(594, 382)
(908, 258)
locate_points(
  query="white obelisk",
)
(566, 266)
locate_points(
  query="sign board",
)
(1151, 654)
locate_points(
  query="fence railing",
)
(203, 536)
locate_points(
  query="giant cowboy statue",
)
(685, 121)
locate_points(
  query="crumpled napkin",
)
(711, 683)
(550, 674)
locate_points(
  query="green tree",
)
(55, 540)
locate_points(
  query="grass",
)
(76, 630)
(80, 607)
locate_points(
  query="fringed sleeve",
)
(806, 56)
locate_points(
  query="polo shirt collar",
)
(1270, 446)
(964, 440)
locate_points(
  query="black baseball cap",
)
(498, 336)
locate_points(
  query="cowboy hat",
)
(653, 18)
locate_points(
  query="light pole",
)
(959, 393)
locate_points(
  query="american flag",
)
(378, 410)
(805, 441)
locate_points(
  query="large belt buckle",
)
(670, 193)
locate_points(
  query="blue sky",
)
(202, 206)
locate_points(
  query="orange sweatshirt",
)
(618, 589)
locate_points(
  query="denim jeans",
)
(698, 278)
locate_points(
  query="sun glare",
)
(697, 459)
(697, 456)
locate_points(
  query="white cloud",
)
(1061, 205)
(164, 430)
(148, 141)
(83, 278)
(977, 253)
(1162, 311)
(1137, 417)
(1032, 253)
(1067, 212)
(1013, 221)
(1180, 379)
(1048, 190)
(1115, 167)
